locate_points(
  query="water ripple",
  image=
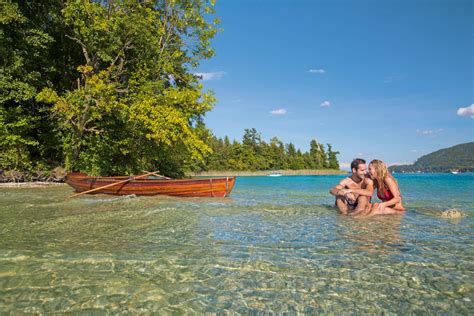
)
(276, 247)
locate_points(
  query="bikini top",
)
(386, 196)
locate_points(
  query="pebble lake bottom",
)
(277, 245)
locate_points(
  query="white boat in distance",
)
(274, 174)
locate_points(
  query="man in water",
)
(355, 203)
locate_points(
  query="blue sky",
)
(383, 79)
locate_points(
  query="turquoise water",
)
(276, 246)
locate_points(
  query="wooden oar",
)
(157, 174)
(112, 184)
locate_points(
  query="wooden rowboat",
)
(211, 187)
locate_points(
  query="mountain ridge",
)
(459, 157)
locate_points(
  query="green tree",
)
(277, 154)
(297, 163)
(291, 157)
(136, 104)
(252, 139)
(332, 158)
(25, 67)
(237, 162)
(255, 154)
(253, 150)
(315, 151)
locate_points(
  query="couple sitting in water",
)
(353, 194)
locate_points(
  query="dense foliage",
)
(253, 153)
(103, 86)
(459, 157)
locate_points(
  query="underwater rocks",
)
(452, 213)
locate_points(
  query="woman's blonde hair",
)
(381, 173)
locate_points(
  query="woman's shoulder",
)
(390, 180)
(369, 180)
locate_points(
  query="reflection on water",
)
(284, 250)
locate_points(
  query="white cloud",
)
(326, 104)
(278, 112)
(398, 163)
(317, 71)
(390, 79)
(414, 151)
(425, 132)
(430, 132)
(205, 76)
(467, 111)
(345, 165)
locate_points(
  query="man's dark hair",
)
(356, 162)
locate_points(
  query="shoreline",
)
(30, 184)
(304, 172)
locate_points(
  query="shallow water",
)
(277, 245)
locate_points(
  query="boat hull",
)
(205, 187)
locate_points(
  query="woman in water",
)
(387, 190)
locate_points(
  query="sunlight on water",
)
(277, 245)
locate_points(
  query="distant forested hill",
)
(459, 157)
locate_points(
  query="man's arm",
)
(337, 188)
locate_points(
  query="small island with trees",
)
(254, 156)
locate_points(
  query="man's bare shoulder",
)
(346, 181)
